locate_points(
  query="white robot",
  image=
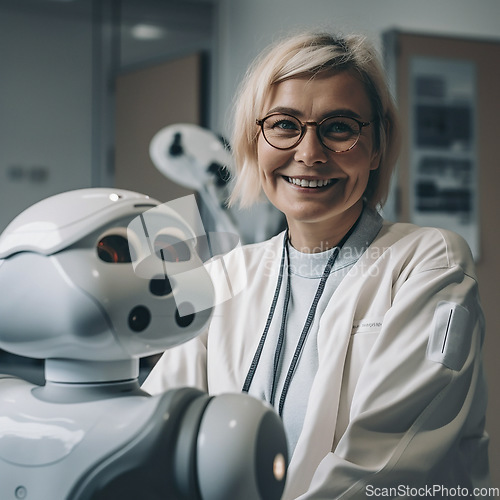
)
(198, 159)
(91, 281)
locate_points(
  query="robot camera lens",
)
(187, 317)
(160, 286)
(139, 318)
(171, 249)
(114, 249)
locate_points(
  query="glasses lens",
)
(281, 131)
(339, 133)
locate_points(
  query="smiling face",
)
(319, 191)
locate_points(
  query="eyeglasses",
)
(337, 133)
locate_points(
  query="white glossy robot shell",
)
(60, 220)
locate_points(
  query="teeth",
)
(311, 184)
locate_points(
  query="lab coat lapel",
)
(316, 439)
(267, 278)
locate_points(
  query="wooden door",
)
(147, 100)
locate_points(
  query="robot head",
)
(101, 275)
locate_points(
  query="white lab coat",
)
(399, 397)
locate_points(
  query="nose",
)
(309, 150)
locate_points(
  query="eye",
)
(115, 249)
(282, 125)
(169, 248)
(285, 125)
(339, 128)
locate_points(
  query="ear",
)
(377, 155)
(375, 160)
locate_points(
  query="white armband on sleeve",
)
(450, 338)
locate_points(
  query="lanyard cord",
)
(258, 352)
(305, 330)
(303, 335)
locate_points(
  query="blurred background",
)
(86, 84)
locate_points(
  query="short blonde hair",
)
(307, 55)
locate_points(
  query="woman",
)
(364, 335)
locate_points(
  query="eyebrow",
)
(299, 114)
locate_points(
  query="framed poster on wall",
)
(443, 154)
(435, 83)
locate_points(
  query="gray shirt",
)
(306, 270)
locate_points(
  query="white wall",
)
(45, 107)
(247, 26)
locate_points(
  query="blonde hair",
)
(307, 55)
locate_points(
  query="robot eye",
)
(171, 249)
(187, 317)
(139, 318)
(160, 286)
(114, 249)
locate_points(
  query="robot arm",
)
(251, 459)
(210, 448)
